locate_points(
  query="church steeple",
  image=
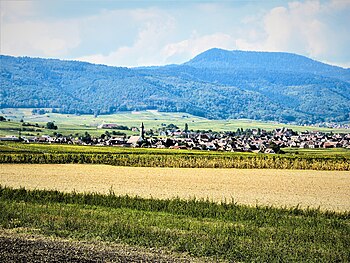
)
(142, 131)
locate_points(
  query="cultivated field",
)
(328, 190)
(72, 124)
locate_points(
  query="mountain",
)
(266, 61)
(216, 84)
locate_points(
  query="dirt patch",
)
(328, 190)
(20, 247)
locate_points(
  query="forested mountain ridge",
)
(271, 61)
(215, 84)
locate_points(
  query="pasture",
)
(227, 231)
(327, 190)
(72, 124)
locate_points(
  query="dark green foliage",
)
(2, 118)
(200, 228)
(216, 84)
(39, 111)
(171, 126)
(50, 125)
(86, 138)
(186, 127)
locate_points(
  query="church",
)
(136, 140)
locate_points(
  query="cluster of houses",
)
(256, 140)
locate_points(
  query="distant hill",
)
(271, 61)
(216, 84)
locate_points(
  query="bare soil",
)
(21, 247)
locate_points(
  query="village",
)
(171, 137)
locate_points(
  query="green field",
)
(224, 231)
(10, 147)
(73, 124)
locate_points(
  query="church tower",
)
(142, 131)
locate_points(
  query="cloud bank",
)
(158, 34)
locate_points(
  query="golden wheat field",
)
(325, 189)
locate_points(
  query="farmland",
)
(217, 205)
(78, 124)
(327, 190)
(224, 231)
(170, 158)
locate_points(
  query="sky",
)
(145, 33)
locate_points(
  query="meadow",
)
(225, 231)
(78, 124)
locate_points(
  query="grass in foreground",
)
(201, 228)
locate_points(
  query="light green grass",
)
(65, 148)
(319, 152)
(200, 228)
(69, 123)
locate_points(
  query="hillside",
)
(216, 84)
(270, 61)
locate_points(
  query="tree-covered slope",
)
(215, 84)
(268, 61)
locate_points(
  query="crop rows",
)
(198, 227)
(184, 161)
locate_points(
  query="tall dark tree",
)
(186, 128)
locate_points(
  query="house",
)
(135, 140)
(115, 141)
(10, 138)
(269, 151)
(107, 126)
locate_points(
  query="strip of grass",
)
(201, 228)
(65, 148)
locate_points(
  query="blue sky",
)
(144, 33)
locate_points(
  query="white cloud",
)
(155, 29)
(23, 34)
(160, 35)
(148, 50)
(38, 38)
(310, 28)
(187, 49)
(11, 10)
(339, 4)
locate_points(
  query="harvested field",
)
(328, 190)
